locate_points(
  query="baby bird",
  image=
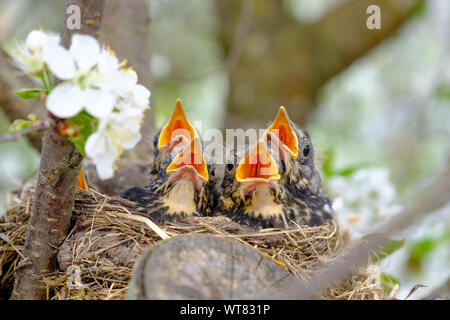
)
(181, 188)
(251, 193)
(177, 131)
(276, 184)
(299, 177)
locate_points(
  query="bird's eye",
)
(230, 166)
(213, 172)
(306, 151)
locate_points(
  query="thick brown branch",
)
(52, 209)
(91, 19)
(56, 185)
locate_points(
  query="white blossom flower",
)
(118, 131)
(92, 78)
(28, 55)
(363, 199)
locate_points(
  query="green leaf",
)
(86, 124)
(420, 249)
(443, 92)
(418, 9)
(29, 93)
(19, 124)
(388, 282)
(388, 248)
(348, 171)
(327, 163)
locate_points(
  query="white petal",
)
(85, 50)
(141, 95)
(107, 62)
(104, 161)
(36, 40)
(105, 170)
(52, 39)
(65, 101)
(131, 143)
(99, 103)
(59, 61)
(126, 80)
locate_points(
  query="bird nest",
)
(108, 234)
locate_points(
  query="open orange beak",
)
(81, 183)
(257, 166)
(177, 125)
(190, 161)
(282, 129)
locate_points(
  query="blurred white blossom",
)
(118, 131)
(363, 198)
(28, 55)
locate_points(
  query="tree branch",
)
(56, 185)
(46, 124)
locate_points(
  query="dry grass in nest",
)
(96, 260)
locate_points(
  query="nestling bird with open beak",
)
(182, 187)
(251, 193)
(276, 184)
(177, 131)
(299, 177)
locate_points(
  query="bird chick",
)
(181, 188)
(251, 193)
(177, 131)
(307, 203)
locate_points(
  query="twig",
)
(45, 124)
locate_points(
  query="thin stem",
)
(50, 80)
(34, 128)
(42, 77)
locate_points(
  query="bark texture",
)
(51, 213)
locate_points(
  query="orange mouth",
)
(81, 183)
(257, 166)
(282, 129)
(177, 125)
(190, 160)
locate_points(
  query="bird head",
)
(303, 199)
(296, 153)
(181, 186)
(177, 131)
(251, 192)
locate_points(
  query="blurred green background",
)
(376, 102)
